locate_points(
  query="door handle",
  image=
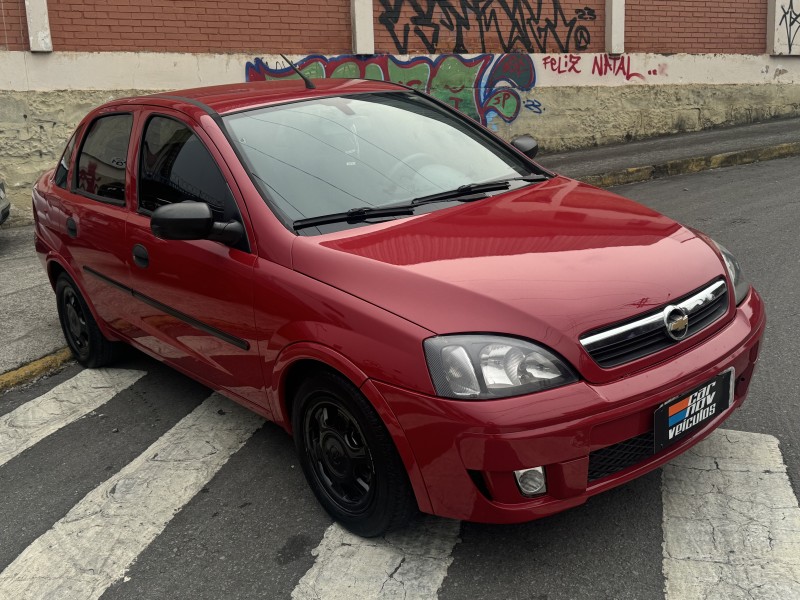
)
(72, 228)
(140, 256)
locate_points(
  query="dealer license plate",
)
(686, 414)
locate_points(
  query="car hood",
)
(547, 262)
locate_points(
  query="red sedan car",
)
(441, 323)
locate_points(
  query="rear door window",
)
(103, 157)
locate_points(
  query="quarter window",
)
(175, 166)
(103, 156)
(60, 178)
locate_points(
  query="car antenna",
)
(309, 85)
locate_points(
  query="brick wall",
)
(696, 26)
(260, 26)
(401, 26)
(444, 26)
(14, 32)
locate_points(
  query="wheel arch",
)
(300, 360)
(55, 268)
(54, 271)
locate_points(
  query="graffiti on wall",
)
(516, 25)
(483, 87)
(603, 66)
(790, 24)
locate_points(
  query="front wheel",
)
(84, 338)
(348, 457)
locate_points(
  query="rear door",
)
(89, 212)
(195, 297)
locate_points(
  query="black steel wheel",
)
(340, 459)
(348, 457)
(81, 332)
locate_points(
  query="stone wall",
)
(593, 116)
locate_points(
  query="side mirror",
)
(526, 144)
(182, 221)
(192, 221)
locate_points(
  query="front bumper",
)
(466, 452)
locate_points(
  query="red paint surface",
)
(547, 262)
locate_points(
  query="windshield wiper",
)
(474, 191)
(533, 177)
(354, 215)
(464, 193)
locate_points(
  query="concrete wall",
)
(565, 100)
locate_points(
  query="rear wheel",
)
(84, 338)
(349, 458)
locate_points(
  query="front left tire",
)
(349, 458)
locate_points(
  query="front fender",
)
(328, 356)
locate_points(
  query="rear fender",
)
(54, 263)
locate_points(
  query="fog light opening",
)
(531, 482)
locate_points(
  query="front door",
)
(195, 297)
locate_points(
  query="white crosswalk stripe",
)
(731, 521)
(33, 421)
(410, 564)
(90, 548)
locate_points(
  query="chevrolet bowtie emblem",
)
(676, 320)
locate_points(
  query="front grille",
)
(612, 459)
(624, 342)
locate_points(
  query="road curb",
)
(695, 164)
(34, 369)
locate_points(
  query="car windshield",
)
(331, 155)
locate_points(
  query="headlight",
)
(488, 366)
(740, 284)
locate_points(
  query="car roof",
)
(242, 96)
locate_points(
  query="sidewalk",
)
(30, 337)
(680, 153)
(29, 326)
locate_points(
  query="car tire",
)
(349, 458)
(84, 338)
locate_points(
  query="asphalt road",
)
(251, 526)
(754, 211)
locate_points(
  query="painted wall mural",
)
(516, 25)
(483, 87)
(493, 89)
